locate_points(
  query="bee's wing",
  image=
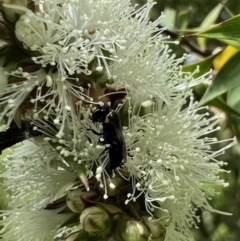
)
(116, 123)
(119, 134)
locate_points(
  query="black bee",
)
(112, 134)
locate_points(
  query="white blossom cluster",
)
(169, 157)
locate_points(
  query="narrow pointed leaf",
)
(183, 19)
(217, 102)
(228, 30)
(234, 43)
(224, 107)
(227, 78)
(233, 98)
(212, 16)
(208, 21)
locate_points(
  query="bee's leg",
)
(95, 132)
(103, 152)
(101, 139)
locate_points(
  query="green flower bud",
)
(12, 9)
(95, 220)
(30, 31)
(156, 227)
(135, 231)
(76, 199)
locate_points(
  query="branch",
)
(185, 42)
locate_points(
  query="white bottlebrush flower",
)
(170, 158)
(65, 37)
(32, 225)
(77, 143)
(178, 231)
(30, 30)
(33, 176)
(45, 94)
(154, 72)
(76, 33)
(169, 161)
(116, 27)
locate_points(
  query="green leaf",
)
(234, 43)
(227, 78)
(233, 98)
(183, 19)
(204, 66)
(72, 219)
(170, 17)
(208, 21)
(217, 102)
(211, 17)
(228, 30)
(223, 106)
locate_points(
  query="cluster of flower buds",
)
(108, 222)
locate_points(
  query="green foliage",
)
(227, 78)
(233, 98)
(227, 31)
(208, 21)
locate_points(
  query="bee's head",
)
(99, 115)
